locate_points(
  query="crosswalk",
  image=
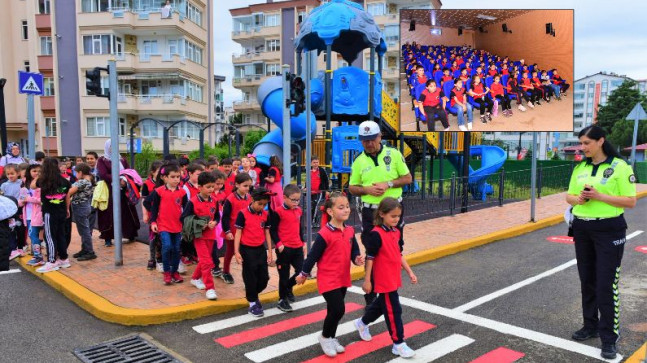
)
(248, 333)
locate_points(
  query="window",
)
(376, 9)
(590, 95)
(48, 85)
(392, 33)
(302, 17)
(173, 47)
(122, 126)
(194, 14)
(45, 45)
(589, 114)
(44, 6)
(578, 105)
(150, 129)
(193, 52)
(579, 96)
(580, 86)
(94, 6)
(273, 69)
(27, 67)
(50, 126)
(616, 83)
(105, 86)
(578, 115)
(98, 126)
(605, 85)
(24, 29)
(102, 44)
(272, 20)
(187, 130)
(273, 45)
(193, 91)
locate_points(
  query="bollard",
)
(501, 186)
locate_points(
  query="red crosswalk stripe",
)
(277, 328)
(499, 355)
(360, 348)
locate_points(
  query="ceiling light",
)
(486, 17)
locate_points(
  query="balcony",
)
(160, 104)
(128, 20)
(256, 56)
(255, 32)
(250, 105)
(46, 63)
(386, 19)
(50, 145)
(43, 22)
(388, 73)
(248, 81)
(131, 63)
(48, 103)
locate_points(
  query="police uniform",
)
(599, 232)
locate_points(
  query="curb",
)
(107, 311)
(638, 355)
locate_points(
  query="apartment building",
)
(164, 63)
(218, 108)
(265, 32)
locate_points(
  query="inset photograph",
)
(486, 70)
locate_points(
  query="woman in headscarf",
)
(13, 155)
(129, 216)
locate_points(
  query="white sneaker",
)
(531, 105)
(364, 333)
(462, 127)
(48, 267)
(338, 347)
(181, 268)
(15, 254)
(160, 267)
(403, 350)
(211, 294)
(199, 284)
(469, 125)
(521, 108)
(63, 263)
(327, 346)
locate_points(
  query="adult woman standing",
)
(601, 188)
(129, 216)
(13, 155)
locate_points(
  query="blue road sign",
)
(30, 83)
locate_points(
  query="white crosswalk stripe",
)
(435, 350)
(12, 271)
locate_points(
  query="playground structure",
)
(342, 95)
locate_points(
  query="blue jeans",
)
(556, 89)
(34, 233)
(170, 250)
(459, 113)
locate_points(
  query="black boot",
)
(585, 334)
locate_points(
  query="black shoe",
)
(79, 254)
(290, 297)
(483, 119)
(87, 257)
(216, 272)
(585, 334)
(284, 306)
(537, 103)
(227, 278)
(609, 351)
(150, 265)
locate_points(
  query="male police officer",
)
(377, 173)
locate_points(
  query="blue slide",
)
(270, 96)
(492, 159)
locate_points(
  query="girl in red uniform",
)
(431, 103)
(251, 243)
(500, 96)
(235, 202)
(384, 259)
(220, 196)
(527, 86)
(273, 182)
(479, 93)
(335, 247)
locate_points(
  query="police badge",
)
(607, 173)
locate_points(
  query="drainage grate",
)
(132, 348)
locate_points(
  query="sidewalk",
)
(132, 295)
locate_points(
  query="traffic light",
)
(298, 94)
(93, 82)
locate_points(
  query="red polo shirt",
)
(191, 190)
(288, 228)
(230, 183)
(333, 268)
(253, 226)
(383, 247)
(233, 204)
(205, 208)
(167, 209)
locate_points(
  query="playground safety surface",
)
(132, 295)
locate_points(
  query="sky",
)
(609, 35)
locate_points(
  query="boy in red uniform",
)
(432, 103)
(191, 184)
(560, 82)
(290, 249)
(230, 175)
(204, 206)
(253, 247)
(446, 76)
(527, 86)
(384, 259)
(166, 204)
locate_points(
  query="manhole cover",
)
(128, 349)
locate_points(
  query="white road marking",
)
(482, 300)
(292, 345)
(243, 319)
(12, 271)
(526, 282)
(438, 349)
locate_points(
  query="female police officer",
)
(600, 188)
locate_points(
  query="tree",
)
(251, 138)
(612, 116)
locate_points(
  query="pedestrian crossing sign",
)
(30, 83)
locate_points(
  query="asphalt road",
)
(532, 323)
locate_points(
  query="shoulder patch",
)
(632, 179)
